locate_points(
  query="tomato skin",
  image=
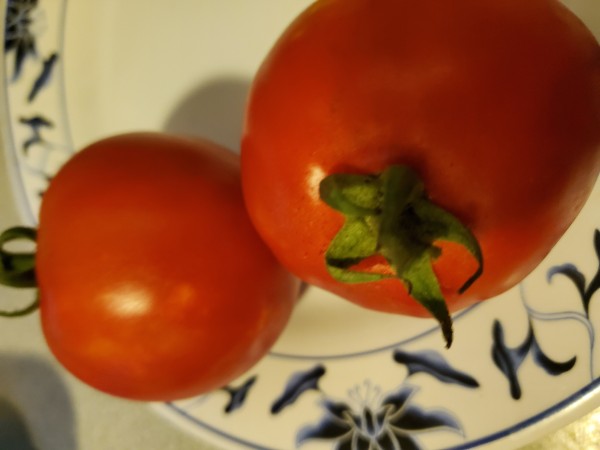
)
(154, 285)
(496, 104)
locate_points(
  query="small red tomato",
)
(153, 282)
(381, 134)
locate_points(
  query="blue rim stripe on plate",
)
(215, 430)
(434, 329)
(520, 426)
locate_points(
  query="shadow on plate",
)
(36, 411)
(214, 110)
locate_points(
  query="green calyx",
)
(390, 215)
(17, 269)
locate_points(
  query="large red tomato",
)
(153, 282)
(490, 108)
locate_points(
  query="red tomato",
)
(153, 283)
(494, 104)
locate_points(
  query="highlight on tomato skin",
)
(499, 132)
(153, 284)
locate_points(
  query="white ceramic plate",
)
(340, 377)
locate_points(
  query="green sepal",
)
(448, 228)
(352, 195)
(350, 276)
(390, 215)
(358, 198)
(424, 287)
(356, 241)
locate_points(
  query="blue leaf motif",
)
(36, 123)
(434, 364)
(329, 427)
(339, 410)
(595, 283)
(408, 417)
(550, 366)
(572, 273)
(586, 293)
(299, 383)
(44, 77)
(238, 395)
(400, 397)
(509, 360)
(407, 443)
(390, 441)
(416, 419)
(370, 421)
(25, 48)
(337, 422)
(361, 443)
(323, 430)
(398, 441)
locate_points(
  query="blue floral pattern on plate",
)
(38, 131)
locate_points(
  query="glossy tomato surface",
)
(495, 104)
(154, 284)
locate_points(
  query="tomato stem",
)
(32, 307)
(18, 269)
(390, 215)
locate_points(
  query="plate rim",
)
(560, 414)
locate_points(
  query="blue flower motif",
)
(387, 423)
